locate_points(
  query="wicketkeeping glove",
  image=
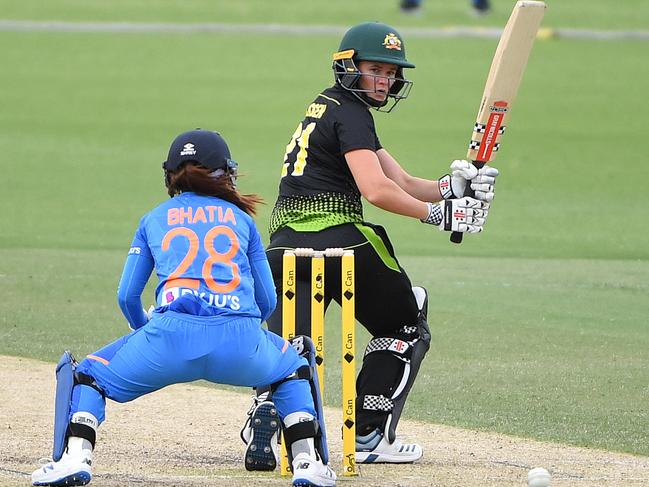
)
(149, 312)
(482, 181)
(466, 215)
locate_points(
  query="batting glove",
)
(466, 215)
(483, 184)
(482, 181)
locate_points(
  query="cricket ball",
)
(538, 477)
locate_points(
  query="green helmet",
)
(371, 41)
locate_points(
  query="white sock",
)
(76, 445)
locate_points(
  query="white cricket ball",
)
(538, 477)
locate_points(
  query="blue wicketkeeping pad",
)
(305, 347)
(64, 384)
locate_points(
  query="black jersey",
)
(317, 189)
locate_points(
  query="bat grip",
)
(456, 237)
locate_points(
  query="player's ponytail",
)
(201, 180)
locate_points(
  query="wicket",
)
(348, 350)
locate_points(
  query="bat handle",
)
(456, 237)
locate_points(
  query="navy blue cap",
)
(205, 147)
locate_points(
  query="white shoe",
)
(260, 433)
(311, 472)
(374, 448)
(69, 470)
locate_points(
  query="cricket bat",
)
(502, 85)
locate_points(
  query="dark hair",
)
(196, 178)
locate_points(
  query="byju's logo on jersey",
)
(217, 300)
(188, 150)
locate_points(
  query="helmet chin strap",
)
(374, 103)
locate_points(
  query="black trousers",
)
(384, 299)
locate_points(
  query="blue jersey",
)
(208, 256)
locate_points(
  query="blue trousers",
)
(176, 347)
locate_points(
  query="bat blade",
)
(502, 84)
(504, 79)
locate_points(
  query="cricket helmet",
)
(371, 41)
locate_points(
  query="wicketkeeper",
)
(215, 289)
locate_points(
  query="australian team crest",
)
(391, 41)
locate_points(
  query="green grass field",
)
(598, 14)
(539, 324)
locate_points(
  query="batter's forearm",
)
(390, 197)
(422, 189)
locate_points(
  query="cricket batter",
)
(215, 288)
(334, 159)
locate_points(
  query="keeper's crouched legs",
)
(296, 400)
